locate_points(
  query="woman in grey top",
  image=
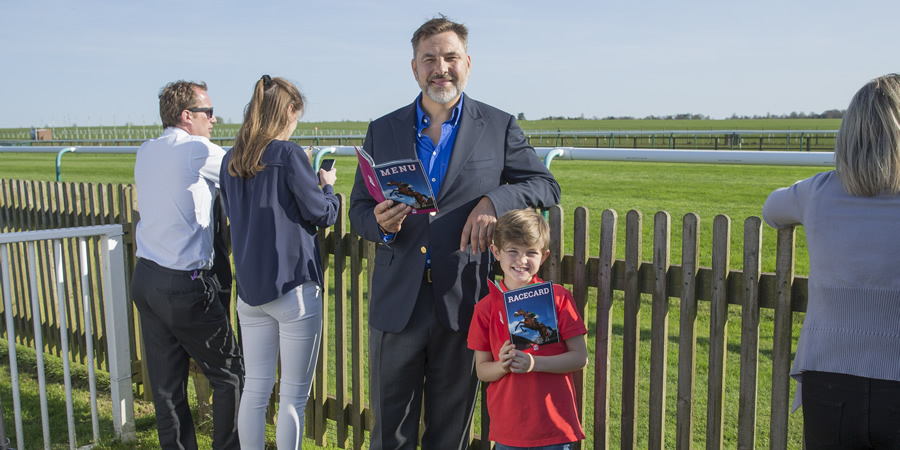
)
(848, 355)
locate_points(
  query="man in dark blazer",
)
(430, 269)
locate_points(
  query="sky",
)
(99, 62)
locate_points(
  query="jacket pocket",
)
(383, 255)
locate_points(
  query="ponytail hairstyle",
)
(265, 118)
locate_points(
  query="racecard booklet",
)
(530, 315)
(402, 181)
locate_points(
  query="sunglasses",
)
(208, 111)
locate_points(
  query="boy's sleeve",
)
(570, 322)
(479, 329)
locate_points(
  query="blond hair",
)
(524, 227)
(265, 118)
(867, 148)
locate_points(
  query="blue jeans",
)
(544, 447)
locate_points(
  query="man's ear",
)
(412, 64)
(186, 117)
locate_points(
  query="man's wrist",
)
(385, 236)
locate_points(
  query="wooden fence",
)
(625, 394)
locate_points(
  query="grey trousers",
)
(424, 359)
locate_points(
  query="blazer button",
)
(433, 213)
(423, 249)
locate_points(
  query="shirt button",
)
(423, 249)
(433, 180)
(434, 153)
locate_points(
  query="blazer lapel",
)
(471, 126)
(403, 127)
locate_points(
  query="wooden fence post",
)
(687, 342)
(718, 332)
(631, 334)
(659, 330)
(781, 351)
(341, 317)
(581, 243)
(749, 334)
(603, 328)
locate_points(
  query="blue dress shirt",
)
(434, 157)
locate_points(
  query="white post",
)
(63, 320)
(116, 305)
(89, 332)
(11, 343)
(38, 343)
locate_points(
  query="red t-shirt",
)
(536, 408)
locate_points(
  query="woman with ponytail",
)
(276, 202)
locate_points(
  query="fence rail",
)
(618, 397)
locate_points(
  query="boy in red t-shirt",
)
(531, 396)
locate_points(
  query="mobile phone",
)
(327, 164)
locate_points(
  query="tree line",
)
(829, 114)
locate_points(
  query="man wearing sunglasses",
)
(176, 176)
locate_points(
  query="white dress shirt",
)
(176, 176)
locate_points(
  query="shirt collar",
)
(534, 280)
(176, 130)
(422, 119)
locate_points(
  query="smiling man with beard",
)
(431, 269)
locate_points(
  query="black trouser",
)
(182, 318)
(850, 412)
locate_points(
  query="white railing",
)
(116, 313)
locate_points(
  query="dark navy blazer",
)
(492, 158)
(274, 218)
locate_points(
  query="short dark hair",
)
(176, 97)
(438, 25)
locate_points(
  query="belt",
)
(426, 277)
(194, 274)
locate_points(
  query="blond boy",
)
(531, 398)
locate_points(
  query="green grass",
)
(708, 190)
(145, 422)
(737, 191)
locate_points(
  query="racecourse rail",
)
(762, 140)
(548, 154)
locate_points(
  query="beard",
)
(444, 95)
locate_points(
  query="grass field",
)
(737, 191)
(708, 190)
(349, 127)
